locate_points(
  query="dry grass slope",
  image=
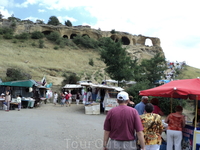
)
(53, 63)
(47, 61)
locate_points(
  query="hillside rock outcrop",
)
(135, 44)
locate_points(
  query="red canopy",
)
(187, 88)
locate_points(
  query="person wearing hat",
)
(120, 126)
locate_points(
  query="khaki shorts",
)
(121, 145)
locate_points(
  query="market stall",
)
(184, 89)
(103, 95)
(28, 89)
(74, 89)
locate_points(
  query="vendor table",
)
(29, 102)
(2, 100)
(13, 105)
(92, 109)
(190, 137)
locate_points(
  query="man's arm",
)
(105, 138)
(140, 136)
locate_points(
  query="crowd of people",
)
(127, 128)
(172, 67)
(65, 98)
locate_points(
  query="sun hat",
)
(123, 96)
(66, 93)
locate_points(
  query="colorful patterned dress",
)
(153, 128)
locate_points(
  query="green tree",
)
(113, 31)
(53, 20)
(14, 74)
(118, 64)
(13, 19)
(53, 36)
(135, 88)
(153, 69)
(38, 21)
(70, 78)
(85, 41)
(1, 16)
(37, 35)
(68, 23)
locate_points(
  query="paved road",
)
(51, 127)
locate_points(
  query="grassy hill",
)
(26, 55)
(48, 61)
(189, 72)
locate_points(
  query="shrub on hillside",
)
(85, 41)
(8, 36)
(14, 74)
(91, 62)
(56, 47)
(53, 36)
(72, 78)
(62, 42)
(41, 43)
(23, 35)
(37, 35)
(33, 44)
(6, 30)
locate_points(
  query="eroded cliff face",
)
(135, 44)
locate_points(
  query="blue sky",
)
(175, 22)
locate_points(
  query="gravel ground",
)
(51, 127)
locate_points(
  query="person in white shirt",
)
(55, 98)
(19, 100)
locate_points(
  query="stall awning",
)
(72, 86)
(22, 83)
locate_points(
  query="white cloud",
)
(41, 10)
(62, 19)
(5, 12)
(26, 3)
(7, 3)
(32, 18)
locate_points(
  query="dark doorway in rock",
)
(125, 40)
(65, 36)
(46, 32)
(72, 36)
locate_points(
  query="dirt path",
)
(51, 127)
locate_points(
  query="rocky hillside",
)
(53, 63)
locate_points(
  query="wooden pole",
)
(196, 109)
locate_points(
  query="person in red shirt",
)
(120, 126)
(157, 109)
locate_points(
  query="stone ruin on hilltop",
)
(135, 44)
